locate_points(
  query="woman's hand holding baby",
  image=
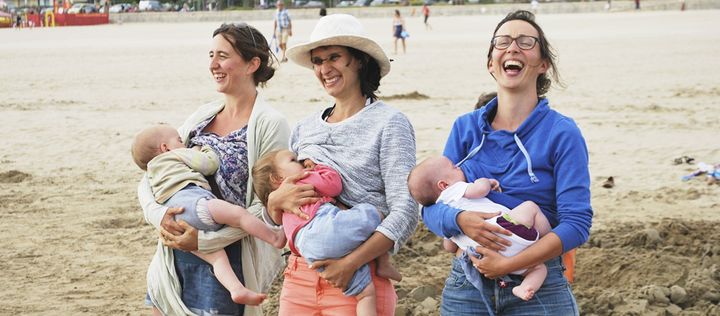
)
(168, 221)
(338, 272)
(474, 226)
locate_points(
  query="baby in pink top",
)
(331, 231)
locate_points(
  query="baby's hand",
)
(495, 185)
(308, 164)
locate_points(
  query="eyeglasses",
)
(317, 61)
(525, 42)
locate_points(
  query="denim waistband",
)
(233, 252)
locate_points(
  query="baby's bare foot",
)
(247, 297)
(523, 292)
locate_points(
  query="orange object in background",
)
(569, 262)
(49, 19)
(5, 19)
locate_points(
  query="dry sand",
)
(643, 87)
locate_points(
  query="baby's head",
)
(272, 169)
(430, 177)
(153, 141)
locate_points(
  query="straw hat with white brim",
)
(341, 30)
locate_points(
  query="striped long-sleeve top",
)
(374, 150)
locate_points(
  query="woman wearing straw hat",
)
(370, 144)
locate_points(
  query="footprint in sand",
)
(13, 176)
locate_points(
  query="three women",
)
(537, 153)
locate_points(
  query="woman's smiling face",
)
(515, 68)
(336, 69)
(228, 68)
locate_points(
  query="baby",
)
(437, 180)
(177, 178)
(330, 232)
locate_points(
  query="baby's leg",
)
(230, 214)
(367, 301)
(530, 215)
(224, 273)
(534, 278)
(450, 246)
(385, 269)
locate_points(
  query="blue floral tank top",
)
(232, 175)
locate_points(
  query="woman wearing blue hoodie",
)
(539, 155)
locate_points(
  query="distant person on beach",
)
(177, 179)
(437, 180)
(484, 99)
(539, 155)
(239, 128)
(328, 232)
(399, 32)
(282, 26)
(637, 4)
(370, 144)
(426, 16)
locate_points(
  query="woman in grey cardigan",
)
(240, 128)
(370, 144)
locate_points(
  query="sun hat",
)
(342, 30)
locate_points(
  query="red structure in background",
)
(56, 18)
(81, 19)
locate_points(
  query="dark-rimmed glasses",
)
(317, 61)
(525, 42)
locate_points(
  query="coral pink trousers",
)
(304, 292)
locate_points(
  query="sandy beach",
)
(642, 86)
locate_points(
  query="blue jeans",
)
(202, 293)
(461, 297)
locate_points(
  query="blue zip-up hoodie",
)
(544, 161)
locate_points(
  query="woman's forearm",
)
(548, 247)
(441, 220)
(152, 211)
(372, 248)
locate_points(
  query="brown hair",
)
(249, 43)
(484, 99)
(368, 74)
(263, 172)
(547, 53)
